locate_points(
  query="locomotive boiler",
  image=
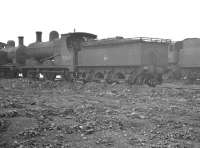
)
(35, 52)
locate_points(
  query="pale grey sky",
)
(174, 19)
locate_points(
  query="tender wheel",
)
(2, 74)
(31, 75)
(50, 76)
(24, 73)
(109, 77)
(67, 75)
(89, 77)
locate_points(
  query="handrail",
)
(148, 39)
(124, 40)
(50, 57)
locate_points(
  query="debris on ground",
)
(60, 114)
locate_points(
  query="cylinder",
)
(21, 40)
(38, 36)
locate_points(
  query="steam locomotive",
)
(81, 55)
(187, 57)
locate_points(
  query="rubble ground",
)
(37, 114)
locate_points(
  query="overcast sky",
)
(174, 19)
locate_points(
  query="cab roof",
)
(79, 35)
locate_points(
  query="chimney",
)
(21, 40)
(38, 36)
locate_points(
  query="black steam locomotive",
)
(81, 55)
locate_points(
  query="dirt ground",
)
(36, 114)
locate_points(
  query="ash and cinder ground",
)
(96, 115)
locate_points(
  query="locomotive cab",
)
(74, 41)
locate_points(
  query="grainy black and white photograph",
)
(100, 74)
